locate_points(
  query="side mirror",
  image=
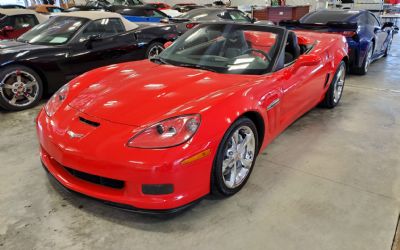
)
(307, 60)
(92, 38)
(167, 44)
(253, 20)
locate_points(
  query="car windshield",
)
(200, 14)
(56, 30)
(3, 21)
(226, 48)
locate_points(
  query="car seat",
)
(292, 49)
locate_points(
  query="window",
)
(153, 13)
(103, 28)
(4, 21)
(224, 15)
(372, 20)
(57, 30)
(238, 16)
(23, 21)
(54, 9)
(227, 48)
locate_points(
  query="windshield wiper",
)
(197, 66)
(158, 59)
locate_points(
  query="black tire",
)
(152, 46)
(10, 74)
(388, 47)
(218, 186)
(365, 65)
(330, 101)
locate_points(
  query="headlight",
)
(167, 133)
(56, 100)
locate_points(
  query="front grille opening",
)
(89, 122)
(103, 181)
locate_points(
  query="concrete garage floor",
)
(331, 181)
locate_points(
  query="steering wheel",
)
(258, 51)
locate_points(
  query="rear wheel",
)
(20, 88)
(235, 158)
(335, 91)
(367, 61)
(154, 49)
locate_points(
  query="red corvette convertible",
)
(158, 135)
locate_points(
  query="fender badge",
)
(73, 135)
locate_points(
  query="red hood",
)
(141, 92)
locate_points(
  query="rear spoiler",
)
(317, 26)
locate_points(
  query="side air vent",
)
(327, 79)
(88, 122)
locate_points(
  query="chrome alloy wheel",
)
(369, 58)
(155, 50)
(339, 83)
(238, 157)
(19, 88)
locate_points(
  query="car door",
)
(101, 42)
(21, 24)
(301, 87)
(380, 35)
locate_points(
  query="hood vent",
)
(88, 122)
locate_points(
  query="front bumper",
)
(123, 206)
(100, 155)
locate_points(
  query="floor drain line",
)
(396, 237)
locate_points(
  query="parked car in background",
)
(185, 7)
(367, 37)
(11, 6)
(15, 22)
(159, 6)
(194, 17)
(46, 8)
(67, 45)
(171, 13)
(143, 13)
(107, 5)
(157, 135)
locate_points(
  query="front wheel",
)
(335, 91)
(154, 49)
(20, 88)
(235, 158)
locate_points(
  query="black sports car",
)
(67, 45)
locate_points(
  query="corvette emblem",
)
(73, 135)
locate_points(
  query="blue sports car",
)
(368, 39)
